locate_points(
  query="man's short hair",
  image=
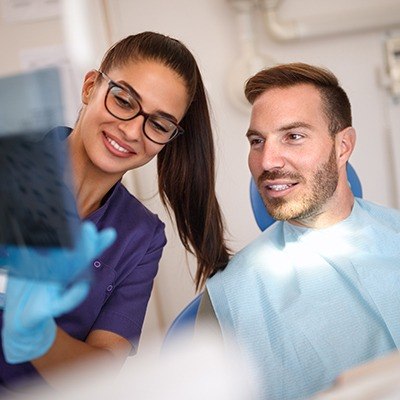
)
(335, 102)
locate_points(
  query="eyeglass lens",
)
(121, 104)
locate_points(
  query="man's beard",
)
(323, 185)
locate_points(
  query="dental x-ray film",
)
(37, 207)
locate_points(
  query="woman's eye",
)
(158, 126)
(122, 102)
(121, 98)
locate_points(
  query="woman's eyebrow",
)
(166, 115)
(130, 89)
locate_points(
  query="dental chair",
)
(186, 318)
(184, 321)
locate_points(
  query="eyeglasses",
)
(121, 104)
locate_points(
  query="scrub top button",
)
(97, 264)
(109, 288)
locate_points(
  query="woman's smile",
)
(116, 147)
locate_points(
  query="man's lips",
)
(277, 189)
(280, 186)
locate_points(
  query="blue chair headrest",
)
(264, 220)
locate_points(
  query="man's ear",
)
(88, 86)
(345, 143)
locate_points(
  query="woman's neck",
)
(89, 182)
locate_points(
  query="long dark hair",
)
(186, 166)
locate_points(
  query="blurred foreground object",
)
(37, 207)
(195, 370)
(376, 380)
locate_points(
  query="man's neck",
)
(335, 210)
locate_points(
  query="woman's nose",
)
(133, 129)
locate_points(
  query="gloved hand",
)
(31, 305)
(60, 264)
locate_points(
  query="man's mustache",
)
(274, 175)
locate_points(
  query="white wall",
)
(208, 28)
(17, 37)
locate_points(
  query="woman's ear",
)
(346, 141)
(88, 85)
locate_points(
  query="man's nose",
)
(272, 156)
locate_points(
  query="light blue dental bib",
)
(305, 305)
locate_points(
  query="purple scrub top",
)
(122, 278)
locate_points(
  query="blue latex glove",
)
(58, 264)
(31, 305)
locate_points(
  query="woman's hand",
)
(59, 264)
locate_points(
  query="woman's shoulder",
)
(123, 202)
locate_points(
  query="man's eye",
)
(255, 141)
(295, 136)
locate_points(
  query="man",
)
(319, 291)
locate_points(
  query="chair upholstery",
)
(184, 320)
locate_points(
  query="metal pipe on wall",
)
(250, 59)
(86, 32)
(361, 20)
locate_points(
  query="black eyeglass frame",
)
(178, 131)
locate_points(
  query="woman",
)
(147, 99)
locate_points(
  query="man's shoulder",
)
(382, 214)
(249, 267)
(272, 235)
(267, 243)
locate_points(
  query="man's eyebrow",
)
(283, 128)
(294, 125)
(137, 96)
(251, 132)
